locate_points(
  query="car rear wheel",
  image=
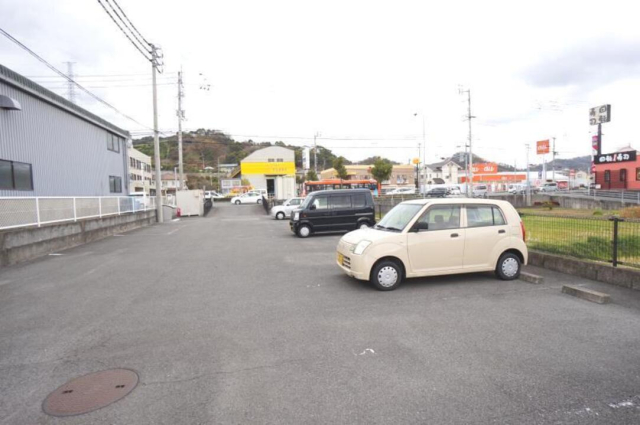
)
(304, 231)
(508, 267)
(363, 225)
(386, 276)
(259, 201)
(238, 202)
(280, 216)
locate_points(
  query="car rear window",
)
(359, 201)
(484, 215)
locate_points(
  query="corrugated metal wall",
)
(69, 155)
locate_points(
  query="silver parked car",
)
(280, 212)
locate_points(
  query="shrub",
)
(597, 212)
(630, 212)
(548, 205)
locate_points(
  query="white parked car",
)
(280, 212)
(454, 191)
(549, 187)
(403, 191)
(430, 237)
(212, 194)
(247, 198)
(480, 190)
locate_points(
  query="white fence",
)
(21, 212)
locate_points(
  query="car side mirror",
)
(312, 207)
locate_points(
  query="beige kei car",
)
(430, 237)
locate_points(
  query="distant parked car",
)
(437, 192)
(247, 198)
(212, 194)
(403, 191)
(517, 189)
(280, 212)
(479, 191)
(549, 187)
(454, 191)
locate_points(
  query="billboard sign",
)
(595, 146)
(485, 168)
(600, 114)
(613, 158)
(542, 147)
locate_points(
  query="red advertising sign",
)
(542, 147)
(572, 173)
(485, 168)
(595, 146)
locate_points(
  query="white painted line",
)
(119, 235)
(176, 219)
(55, 254)
(175, 230)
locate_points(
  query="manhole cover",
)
(90, 392)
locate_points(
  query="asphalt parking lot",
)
(232, 319)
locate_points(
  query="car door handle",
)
(454, 235)
(502, 231)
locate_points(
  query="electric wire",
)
(131, 23)
(63, 75)
(124, 32)
(129, 28)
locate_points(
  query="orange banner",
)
(485, 168)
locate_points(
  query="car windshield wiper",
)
(395, 229)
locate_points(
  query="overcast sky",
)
(353, 70)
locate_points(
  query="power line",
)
(131, 23)
(98, 75)
(122, 20)
(123, 31)
(57, 71)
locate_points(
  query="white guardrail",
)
(35, 211)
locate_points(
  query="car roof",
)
(456, 201)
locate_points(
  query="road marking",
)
(366, 350)
(175, 230)
(119, 235)
(55, 254)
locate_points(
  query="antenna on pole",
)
(470, 155)
(71, 88)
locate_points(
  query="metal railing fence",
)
(613, 240)
(16, 212)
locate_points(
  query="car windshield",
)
(398, 218)
(307, 201)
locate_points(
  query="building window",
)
(607, 176)
(132, 162)
(280, 160)
(623, 175)
(270, 160)
(115, 184)
(638, 174)
(113, 143)
(15, 175)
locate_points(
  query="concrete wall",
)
(619, 276)
(518, 201)
(20, 245)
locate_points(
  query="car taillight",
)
(524, 231)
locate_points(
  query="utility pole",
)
(315, 152)
(470, 162)
(180, 118)
(418, 169)
(424, 158)
(528, 179)
(71, 94)
(553, 160)
(155, 63)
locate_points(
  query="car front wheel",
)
(280, 216)
(304, 231)
(386, 276)
(508, 267)
(363, 225)
(237, 202)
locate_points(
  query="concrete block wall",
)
(20, 245)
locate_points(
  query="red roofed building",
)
(616, 172)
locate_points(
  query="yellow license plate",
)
(340, 258)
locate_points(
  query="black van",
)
(333, 210)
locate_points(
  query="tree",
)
(341, 170)
(381, 170)
(373, 159)
(312, 176)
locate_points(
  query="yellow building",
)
(272, 169)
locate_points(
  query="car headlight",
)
(362, 245)
(296, 216)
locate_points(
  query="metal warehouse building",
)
(52, 147)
